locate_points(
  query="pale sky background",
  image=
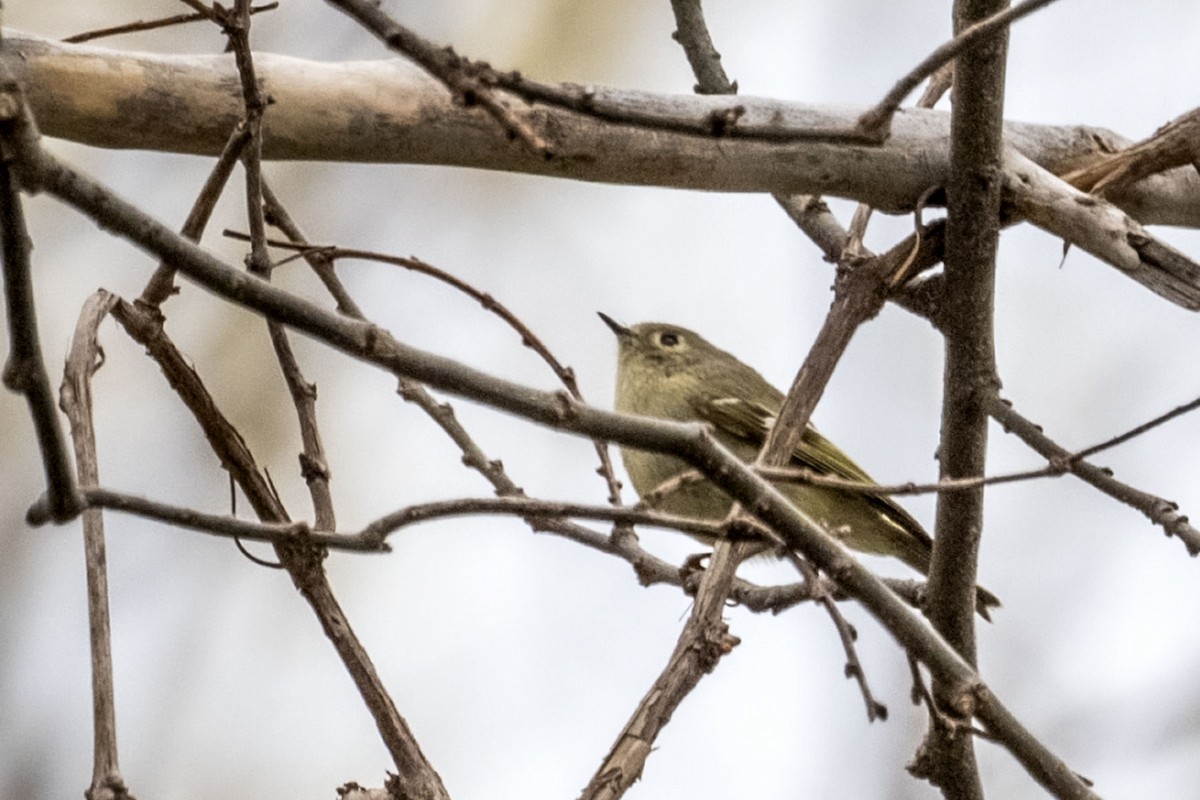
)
(515, 657)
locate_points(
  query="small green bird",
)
(673, 373)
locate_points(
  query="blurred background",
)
(517, 657)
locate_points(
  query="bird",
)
(673, 373)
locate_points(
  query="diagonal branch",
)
(39, 171)
(705, 639)
(878, 120)
(1100, 228)
(469, 82)
(1176, 144)
(1160, 511)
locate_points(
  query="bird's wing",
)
(750, 422)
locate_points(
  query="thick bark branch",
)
(391, 111)
(972, 238)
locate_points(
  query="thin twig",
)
(275, 214)
(807, 476)
(415, 775)
(1137, 431)
(717, 123)
(381, 528)
(162, 284)
(154, 24)
(464, 78)
(313, 465)
(1160, 511)
(878, 121)
(565, 374)
(846, 633)
(939, 83)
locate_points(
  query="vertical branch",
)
(313, 465)
(255, 102)
(972, 234)
(415, 777)
(82, 362)
(25, 370)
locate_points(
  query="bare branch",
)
(415, 775)
(691, 32)
(1137, 431)
(846, 633)
(320, 110)
(1100, 228)
(84, 359)
(461, 76)
(1160, 511)
(1173, 145)
(972, 238)
(528, 508)
(808, 211)
(704, 640)
(154, 24)
(877, 121)
(39, 170)
(25, 369)
(431, 129)
(565, 374)
(794, 475)
(542, 515)
(649, 569)
(162, 284)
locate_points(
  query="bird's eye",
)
(668, 339)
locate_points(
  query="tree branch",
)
(39, 171)
(389, 111)
(1100, 228)
(1158, 510)
(83, 360)
(25, 369)
(878, 120)
(972, 238)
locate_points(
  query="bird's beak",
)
(617, 328)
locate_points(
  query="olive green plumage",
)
(673, 373)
